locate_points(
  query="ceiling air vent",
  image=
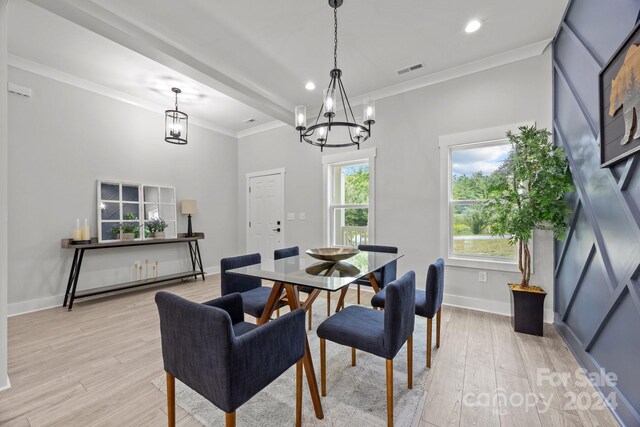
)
(409, 69)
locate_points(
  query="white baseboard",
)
(489, 306)
(24, 307)
(211, 270)
(7, 385)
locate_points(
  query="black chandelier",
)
(318, 133)
(176, 123)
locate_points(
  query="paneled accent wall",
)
(597, 294)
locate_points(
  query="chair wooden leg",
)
(171, 400)
(323, 366)
(278, 313)
(299, 393)
(410, 362)
(353, 356)
(429, 328)
(358, 293)
(390, 392)
(310, 314)
(230, 419)
(438, 327)
(328, 303)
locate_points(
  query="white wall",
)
(4, 380)
(408, 171)
(61, 140)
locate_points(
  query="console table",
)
(71, 294)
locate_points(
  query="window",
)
(467, 161)
(134, 204)
(348, 195)
(471, 169)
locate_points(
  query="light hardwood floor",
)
(94, 366)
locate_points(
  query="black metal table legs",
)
(72, 284)
(73, 278)
(194, 252)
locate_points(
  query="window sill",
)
(482, 264)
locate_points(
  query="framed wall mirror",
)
(125, 210)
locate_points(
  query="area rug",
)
(356, 396)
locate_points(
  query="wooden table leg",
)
(343, 294)
(274, 297)
(374, 283)
(307, 361)
(328, 303)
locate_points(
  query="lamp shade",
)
(188, 207)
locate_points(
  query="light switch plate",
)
(291, 216)
(302, 216)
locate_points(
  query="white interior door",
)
(265, 208)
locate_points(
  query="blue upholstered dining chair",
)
(428, 302)
(227, 361)
(254, 295)
(385, 274)
(288, 253)
(376, 332)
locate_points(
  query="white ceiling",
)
(42, 37)
(263, 52)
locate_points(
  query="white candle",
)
(77, 234)
(86, 235)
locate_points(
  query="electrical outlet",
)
(482, 276)
(291, 216)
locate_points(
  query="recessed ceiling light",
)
(310, 86)
(473, 26)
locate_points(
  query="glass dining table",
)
(289, 273)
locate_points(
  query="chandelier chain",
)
(176, 101)
(335, 37)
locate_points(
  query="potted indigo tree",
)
(528, 193)
(156, 228)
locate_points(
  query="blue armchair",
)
(383, 276)
(376, 332)
(226, 360)
(428, 302)
(254, 295)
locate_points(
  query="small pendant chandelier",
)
(176, 123)
(318, 133)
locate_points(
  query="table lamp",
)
(188, 207)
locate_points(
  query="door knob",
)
(276, 229)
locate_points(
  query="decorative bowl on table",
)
(332, 254)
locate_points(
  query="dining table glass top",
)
(325, 275)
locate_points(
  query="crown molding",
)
(504, 58)
(515, 55)
(73, 80)
(148, 43)
(261, 128)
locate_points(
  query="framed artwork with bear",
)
(620, 102)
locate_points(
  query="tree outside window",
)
(349, 208)
(472, 171)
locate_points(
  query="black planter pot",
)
(527, 311)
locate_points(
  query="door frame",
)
(247, 204)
